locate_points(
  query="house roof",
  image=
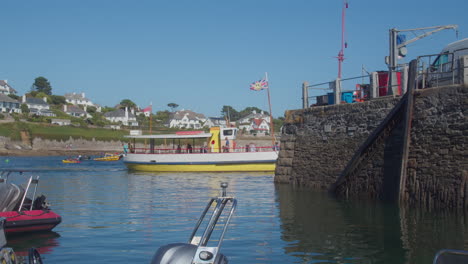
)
(190, 115)
(258, 122)
(5, 84)
(75, 109)
(255, 115)
(36, 101)
(119, 113)
(6, 98)
(76, 96)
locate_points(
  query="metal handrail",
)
(221, 203)
(457, 253)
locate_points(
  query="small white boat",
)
(210, 152)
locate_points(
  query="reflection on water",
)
(111, 215)
(320, 228)
(44, 242)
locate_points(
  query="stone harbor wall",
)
(319, 141)
(437, 174)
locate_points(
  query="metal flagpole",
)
(272, 130)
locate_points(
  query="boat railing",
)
(202, 150)
(451, 256)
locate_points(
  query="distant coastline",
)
(75, 147)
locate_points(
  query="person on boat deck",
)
(204, 148)
(179, 150)
(252, 147)
(276, 146)
(125, 148)
(130, 146)
(227, 145)
(189, 148)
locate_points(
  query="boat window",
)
(440, 60)
(227, 132)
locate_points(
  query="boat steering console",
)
(197, 250)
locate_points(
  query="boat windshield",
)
(10, 196)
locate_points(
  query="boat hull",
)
(203, 162)
(30, 221)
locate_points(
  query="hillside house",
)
(9, 105)
(215, 122)
(37, 106)
(187, 119)
(127, 118)
(75, 111)
(80, 99)
(5, 88)
(258, 122)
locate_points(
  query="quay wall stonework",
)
(318, 142)
(437, 173)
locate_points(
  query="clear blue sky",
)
(202, 54)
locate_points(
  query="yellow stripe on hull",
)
(202, 167)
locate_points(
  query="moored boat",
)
(217, 152)
(23, 213)
(109, 157)
(71, 161)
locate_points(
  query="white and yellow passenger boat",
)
(192, 151)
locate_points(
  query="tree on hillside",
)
(127, 103)
(57, 100)
(14, 96)
(229, 113)
(173, 106)
(24, 108)
(41, 84)
(162, 117)
(248, 110)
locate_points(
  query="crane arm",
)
(439, 28)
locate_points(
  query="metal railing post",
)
(305, 95)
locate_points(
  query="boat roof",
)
(173, 136)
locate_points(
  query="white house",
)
(259, 126)
(253, 115)
(127, 118)
(79, 99)
(38, 106)
(75, 111)
(9, 105)
(255, 121)
(187, 119)
(5, 88)
(215, 122)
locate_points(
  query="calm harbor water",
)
(111, 215)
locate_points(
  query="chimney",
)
(65, 108)
(133, 111)
(126, 112)
(24, 99)
(45, 99)
(83, 95)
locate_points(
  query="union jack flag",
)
(259, 85)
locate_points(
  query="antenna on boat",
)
(344, 44)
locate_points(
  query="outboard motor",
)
(197, 251)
